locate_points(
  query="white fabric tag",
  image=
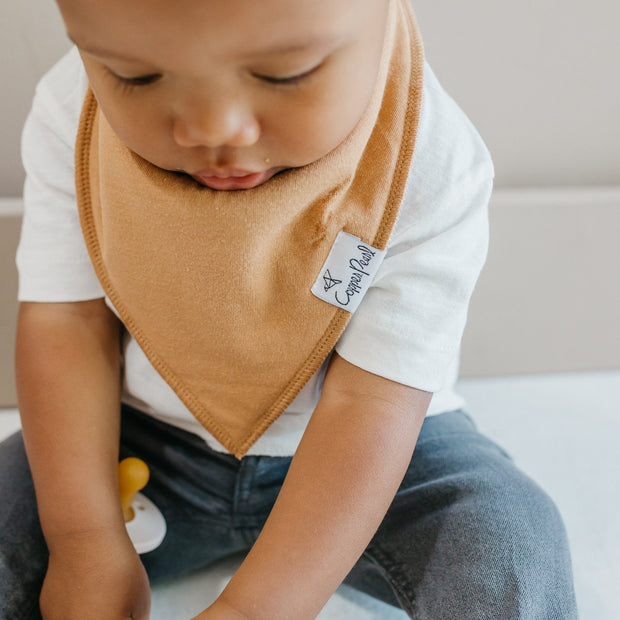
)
(348, 271)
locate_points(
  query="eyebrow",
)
(287, 47)
(297, 45)
(100, 51)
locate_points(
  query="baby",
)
(252, 270)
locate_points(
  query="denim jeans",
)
(467, 537)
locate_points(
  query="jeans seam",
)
(402, 589)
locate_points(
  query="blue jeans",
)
(467, 537)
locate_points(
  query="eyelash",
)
(141, 80)
(128, 84)
(288, 81)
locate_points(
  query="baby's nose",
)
(216, 123)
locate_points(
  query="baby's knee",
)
(512, 517)
(507, 549)
(514, 548)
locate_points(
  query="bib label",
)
(348, 272)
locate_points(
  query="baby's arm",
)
(68, 378)
(342, 480)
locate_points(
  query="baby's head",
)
(230, 92)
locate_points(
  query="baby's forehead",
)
(238, 13)
(213, 10)
(210, 28)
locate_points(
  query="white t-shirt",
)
(409, 325)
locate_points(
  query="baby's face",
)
(230, 92)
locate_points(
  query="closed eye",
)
(288, 80)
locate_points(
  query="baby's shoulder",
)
(59, 96)
(447, 145)
(451, 162)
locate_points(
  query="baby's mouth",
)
(231, 179)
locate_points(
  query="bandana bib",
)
(238, 297)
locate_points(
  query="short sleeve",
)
(52, 260)
(409, 325)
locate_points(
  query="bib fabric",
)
(216, 286)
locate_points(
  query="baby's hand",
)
(95, 575)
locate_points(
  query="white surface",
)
(564, 431)
(561, 429)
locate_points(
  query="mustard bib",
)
(216, 286)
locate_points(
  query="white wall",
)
(540, 80)
(31, 40)
(547, 300)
